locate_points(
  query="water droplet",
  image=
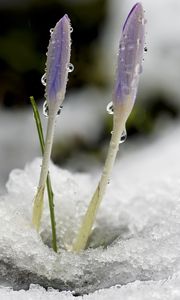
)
(43, 79)
(142, 20)
(109, 108)
(71, 29)
(123, 137)
(45, 109)
(145, 49)
(51, 31)
(59, 110)
(70, 68)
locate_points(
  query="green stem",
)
(48, 181)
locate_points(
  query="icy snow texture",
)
(139, 222)
(148, 290)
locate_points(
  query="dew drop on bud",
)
(123, 137)
(145, 49)
(70, 68)
(109, 108)
(51, 31)
(43, 79)
(71, 29)
(59, 110)
(45, 109)
(142, 20)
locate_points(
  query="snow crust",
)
(147, 290)
(135, 242)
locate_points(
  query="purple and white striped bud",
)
(130, 56)
(57, 65)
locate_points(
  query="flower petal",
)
(58, 58)
(130, 55)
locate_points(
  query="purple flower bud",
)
(58, 57)
(130, 56)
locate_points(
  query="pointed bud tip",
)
(58, 58)
(136, 10)
(65, 18)
(130, 56)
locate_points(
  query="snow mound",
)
(136, 235)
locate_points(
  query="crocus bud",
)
(57, 65)
(130, 56)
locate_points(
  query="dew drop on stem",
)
(59, 110)
(123, 137)
(43, 79)
(70, 68)
(109, 108)
(46, 110)
(51, 31)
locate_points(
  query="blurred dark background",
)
(23, 43)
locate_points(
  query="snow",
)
(135, 242)
(148, 290)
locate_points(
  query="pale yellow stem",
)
(38, 200)
(120, 116)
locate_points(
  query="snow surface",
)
(136, 236)
(147, 290)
